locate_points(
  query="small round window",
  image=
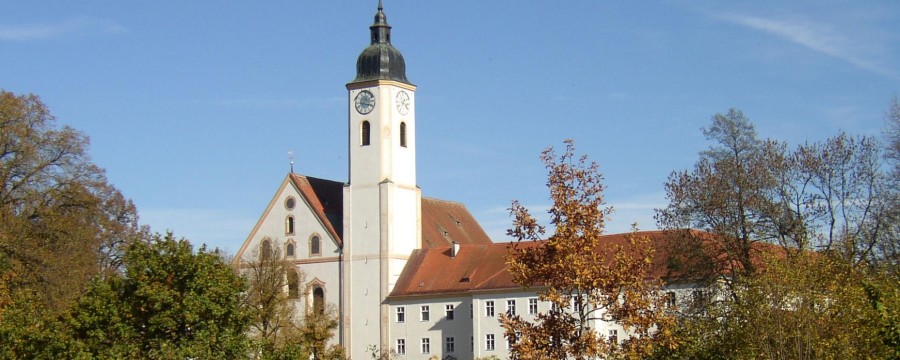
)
(289, 203)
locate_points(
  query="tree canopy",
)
(797, 247)
(585, 279)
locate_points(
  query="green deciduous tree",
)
(171, 302)
(585, 279)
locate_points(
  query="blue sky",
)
(192, 107)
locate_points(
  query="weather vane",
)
(291, 159)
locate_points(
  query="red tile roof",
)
(444, 222)
(326, 198)
(483, 267)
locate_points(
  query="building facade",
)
(406, 273)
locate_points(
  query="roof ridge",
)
(316, 178)
(442, 200)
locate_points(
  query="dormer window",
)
(366, 133)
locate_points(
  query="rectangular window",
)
(614, 336)
(450, 344)
(401, 346)
(532, 306)
(426, 313)
(448, 312)
(670, 299)
(489, 308)
(471, 310)
(489, 342)
(577, 303)
(426, 345)
(510, 307)
(401, 314)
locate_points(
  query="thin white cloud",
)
(32, 32)
(822, 38)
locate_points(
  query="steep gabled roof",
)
(444, 222)
(326, 198)
(483, 267)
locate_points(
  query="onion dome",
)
(380, 61)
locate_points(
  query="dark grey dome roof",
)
(380, 60)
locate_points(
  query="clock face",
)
(403, 102)
(364, 102)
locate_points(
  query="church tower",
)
(382, 203)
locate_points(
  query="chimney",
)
(454, 249)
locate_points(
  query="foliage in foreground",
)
(277, 330)
(169, 303)
(585, 279)
(805, 246)
(61, 225)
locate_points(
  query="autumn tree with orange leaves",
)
(587, 281)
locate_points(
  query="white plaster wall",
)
(403, 159)
(383, 217)
(437, 328)
(324, 267)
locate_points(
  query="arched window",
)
(265, 250)
(403, 134)
(293, 284)
(318, 300)
(366, 133)
(315, 246)
(289, 250)
(289, 225)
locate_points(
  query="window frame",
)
(315, 245)
(403, 142)
(365, 138)
(511, 307)
(425, 313)
(290, 225)
(400, 314)
(489, 308)
(400, 346)
(450, 344)
(449, 311)
(290, 249)
(489, 342)
(532, 306)
(426, 345)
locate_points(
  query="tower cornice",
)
(371, 83)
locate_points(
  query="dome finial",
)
(380, 61)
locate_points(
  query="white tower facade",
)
(382, 203)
